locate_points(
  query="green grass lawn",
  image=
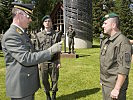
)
(79, 78)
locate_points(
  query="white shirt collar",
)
(19, 27)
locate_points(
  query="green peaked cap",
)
(46, 17)
(110, 15)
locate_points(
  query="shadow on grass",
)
(95, 46)
(82, 55)
(1, 54)
(78, 94)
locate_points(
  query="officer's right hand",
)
(55, 48)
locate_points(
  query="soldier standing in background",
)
(71, 34)
(33, 38)
(46, 38)
(59, 33)
(115, 60)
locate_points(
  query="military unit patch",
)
(127, 57)
(19, 31)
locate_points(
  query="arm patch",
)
(127, 57)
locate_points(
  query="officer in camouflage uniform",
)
(46, 39)
(115, 60)
(22, 74)
(71, 35)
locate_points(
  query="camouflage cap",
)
(46, 17)
(110, 15)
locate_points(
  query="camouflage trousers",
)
(49, 70)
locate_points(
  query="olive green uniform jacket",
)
(22, 78)
(45, 40)
(115, 58)
(71, 34)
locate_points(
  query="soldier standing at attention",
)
(59, 33)
(71, 34)
(46, 39)
(22, 75)
(115, 60)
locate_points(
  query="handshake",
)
(55, 48)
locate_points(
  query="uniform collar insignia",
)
(105, 47)
(19, 31)
(114, 36)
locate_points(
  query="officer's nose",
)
(103, 26)
(30, 19)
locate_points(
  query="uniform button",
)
(28, 74)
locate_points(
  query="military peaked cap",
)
(27, 8)
(110, 15)
(46, 17)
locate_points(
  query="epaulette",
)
(19, 31)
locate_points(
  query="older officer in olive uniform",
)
(46, 39)
(115, 60)
(71, 35)
(22, 78)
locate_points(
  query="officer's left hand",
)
(114, 94)
(57, 47)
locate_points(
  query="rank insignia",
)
(105, 47)
(19, 31)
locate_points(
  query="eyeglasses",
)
(26, 15)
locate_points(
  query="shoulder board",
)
(19, 31)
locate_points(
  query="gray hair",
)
(15, 11)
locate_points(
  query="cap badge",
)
(106, 16)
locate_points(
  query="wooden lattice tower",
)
(78, 13)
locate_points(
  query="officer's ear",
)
(113, 25)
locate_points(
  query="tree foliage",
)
(5, 14)
(42, 7)
(126, 18)
(121, 7)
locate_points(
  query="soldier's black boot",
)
(48, 96)
(54, 96)
(69, 52)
